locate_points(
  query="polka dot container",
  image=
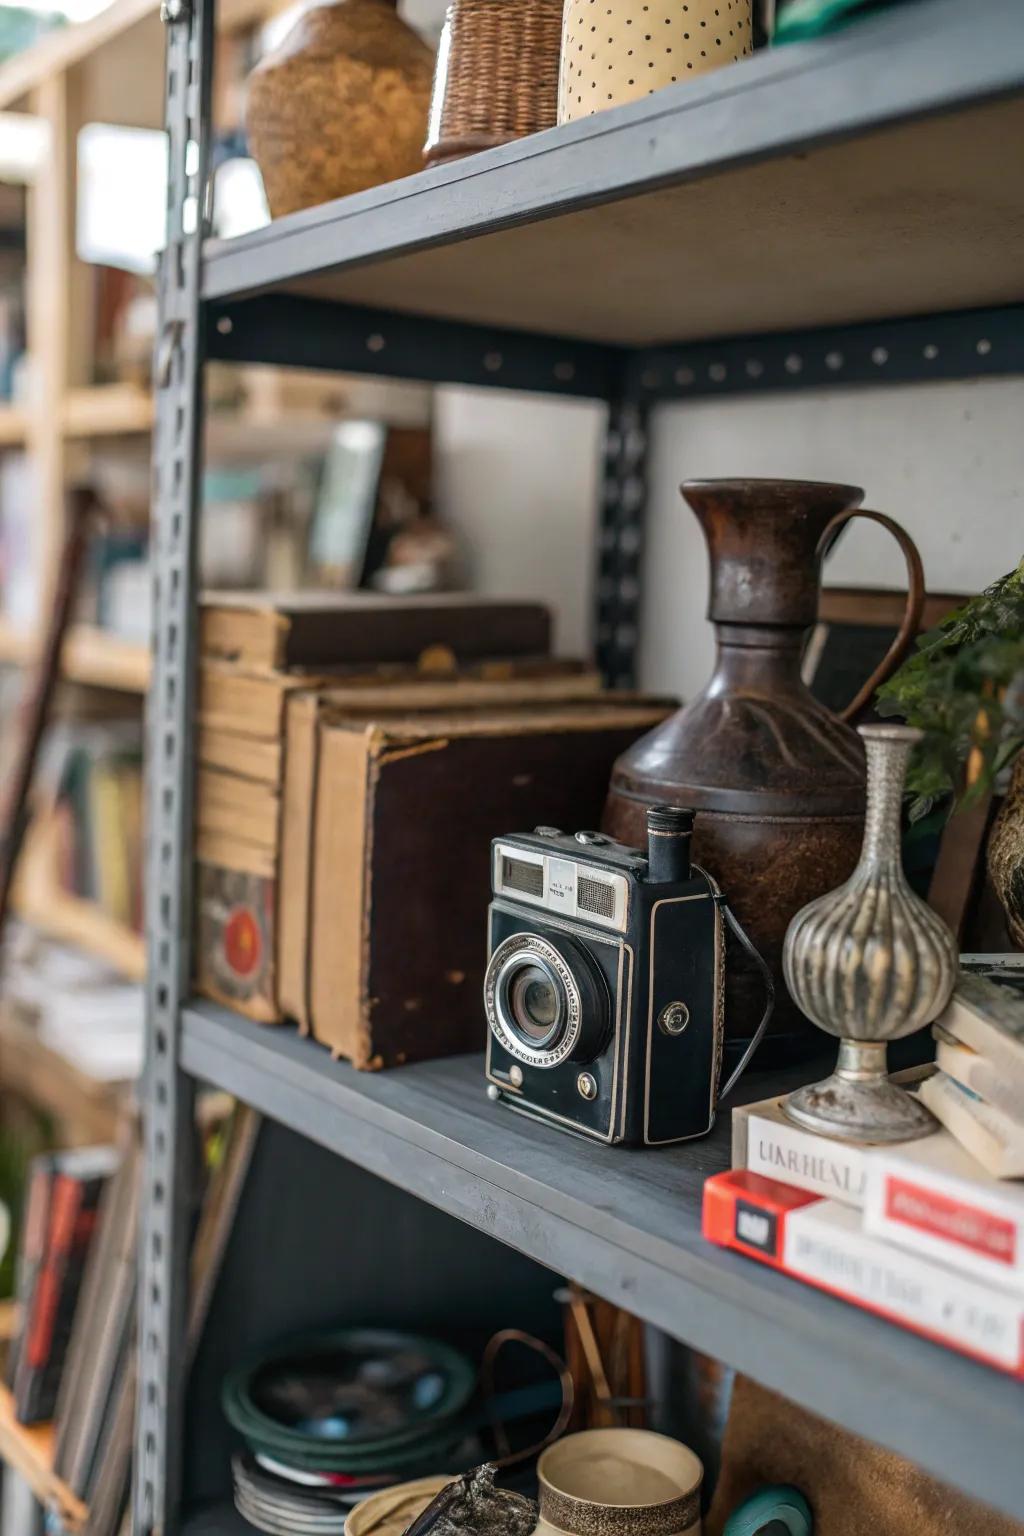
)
(621, 50)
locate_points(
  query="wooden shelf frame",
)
(29, 1452)
(13, 425)
(91, 656)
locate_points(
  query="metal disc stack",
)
(332, 1418)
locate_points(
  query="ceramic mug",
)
(619, 1482)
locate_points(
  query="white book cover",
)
(824, 1244)
(985, 1131)
(765, 1142)
(980, 1075)
(940, 1202)
(990, 1019)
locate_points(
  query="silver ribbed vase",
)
(870, 962)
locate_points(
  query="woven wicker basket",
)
(497, 75)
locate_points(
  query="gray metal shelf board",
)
(627, 1224)
(862, 176)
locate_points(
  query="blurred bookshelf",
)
(104, 410)
(76, 412)
(91, 656)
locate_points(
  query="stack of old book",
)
(978, 1091)
(928, 1233)
(357, 754)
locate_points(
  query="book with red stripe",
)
(77, 1178)
(822, 1243)
(942, 1204)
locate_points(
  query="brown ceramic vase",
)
(777, 779)
(340, 106)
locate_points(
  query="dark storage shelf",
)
(221, 1519)
(627, 1224)
(864, 176)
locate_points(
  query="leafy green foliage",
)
(962, 687)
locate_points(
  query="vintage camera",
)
(604, 989)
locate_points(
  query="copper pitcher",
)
(777, 779)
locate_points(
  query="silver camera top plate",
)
(553, 883)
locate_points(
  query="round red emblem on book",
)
(243, 944)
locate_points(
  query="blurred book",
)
(95, 1414)
(273, 630)
(1000, 1086)
(19, 573)
(986, 1013)
(996, 1139)
(103, 1327)
(76, 1006)
(95, 778)
(64, 1196)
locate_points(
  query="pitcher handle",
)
(911, 621)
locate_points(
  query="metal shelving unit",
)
(834, 214)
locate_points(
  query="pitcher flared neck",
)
(763, 541)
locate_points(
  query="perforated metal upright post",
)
(620, 542)
(167, 1093)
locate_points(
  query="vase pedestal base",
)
(858, 1102)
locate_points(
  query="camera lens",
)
(534, 1003)
(545, 1000)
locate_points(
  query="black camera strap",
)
(769, 987)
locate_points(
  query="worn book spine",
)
(975, 1071)
(235, 951)
(822, 1243)
(989, 1019)
(973, 1226)
(48, 1326)
(31, 1254)
(800, 1158)
(996, 1140)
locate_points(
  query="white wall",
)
(519, 478)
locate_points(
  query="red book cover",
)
(50, 1308)
(32, 1249)
(824, 1244)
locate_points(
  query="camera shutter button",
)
(547, 832)
(586, 1086)
(591, 839)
